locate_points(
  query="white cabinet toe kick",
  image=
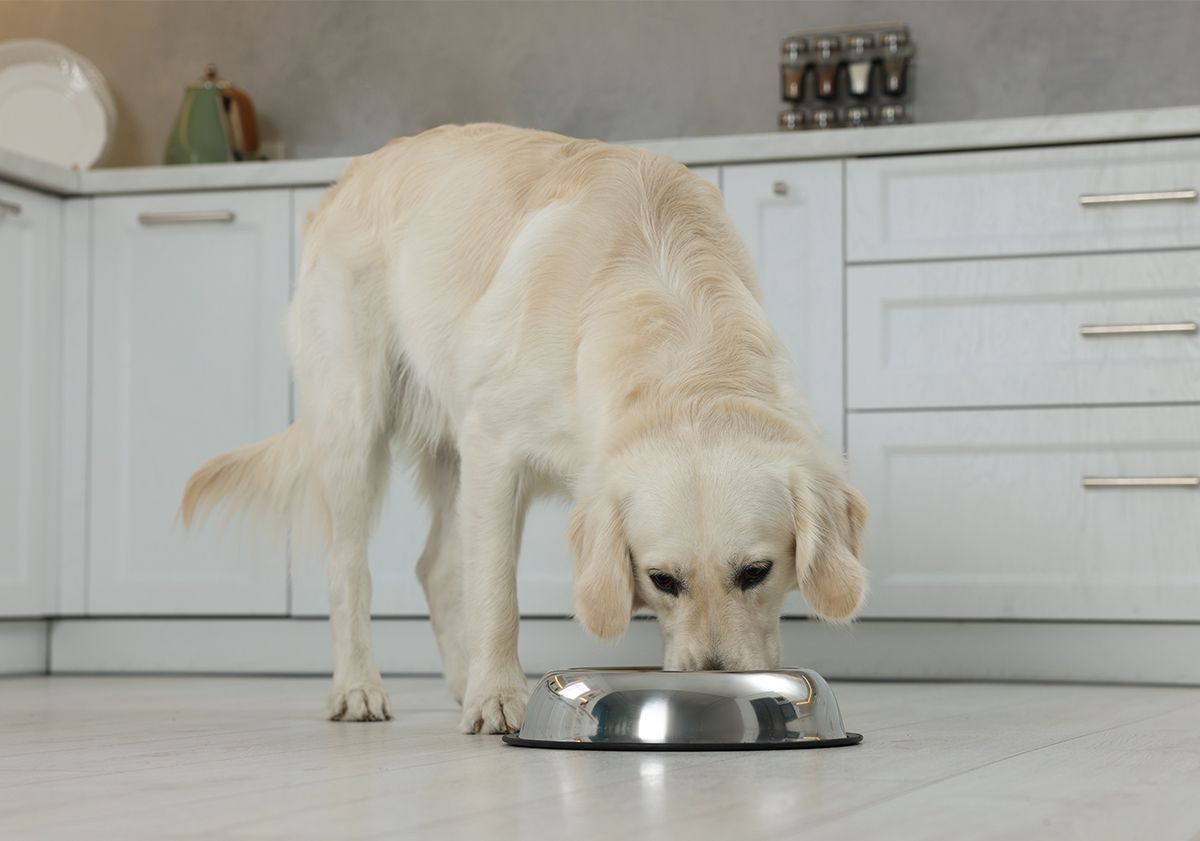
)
(877, 649)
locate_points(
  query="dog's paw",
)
(495, 708)
(360, 701)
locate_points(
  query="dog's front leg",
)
(491, 509)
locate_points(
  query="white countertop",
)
(736, 148)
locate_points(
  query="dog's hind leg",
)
(352, 474)
(340, 355)
(440, 568)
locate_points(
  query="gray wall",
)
(334, 78)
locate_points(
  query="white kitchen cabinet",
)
(1070, 199)
(188, 361)
(399, 534)
(544, 576)
(997, 514)
(30, 297)
(1024, 331)
(790, 217)
(545, 572)
(70, 597)
(709, 173)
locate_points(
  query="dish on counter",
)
(54, 104)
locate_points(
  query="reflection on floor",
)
(171, 758)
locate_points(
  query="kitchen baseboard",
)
(880, 650)
(23, 646)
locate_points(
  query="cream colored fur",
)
(525, 313)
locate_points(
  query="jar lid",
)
(827, 44)
(824, 118)
(792, 120)
(858, 115)
(858, 43)
(793, 45)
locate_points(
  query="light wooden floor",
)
(174, 758)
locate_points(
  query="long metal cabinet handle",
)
(1092, 200)
(1127, 329)
(185, 217)
(1141, 481)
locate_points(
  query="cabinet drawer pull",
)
(1141, 481)
(780, 188)
(183, 217)
(1088, 200)
(9, 208)
(1128, 329)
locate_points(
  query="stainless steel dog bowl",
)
(648, 709)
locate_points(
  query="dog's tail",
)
(269, 479)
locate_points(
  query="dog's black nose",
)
(713, 664)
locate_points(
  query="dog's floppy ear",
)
(830, 518)
(604, 591)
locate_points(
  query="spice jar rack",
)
(847, 77)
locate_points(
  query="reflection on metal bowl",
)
(648, 709)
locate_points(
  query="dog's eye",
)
(754, 574)
(669, 584)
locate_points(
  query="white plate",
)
(54, 104)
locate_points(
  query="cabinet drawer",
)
(1036, 331)
(1024, 201)
(986, 514)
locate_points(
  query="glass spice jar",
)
(793, 67)
(896, 53)
(828, 50)
(859, 62)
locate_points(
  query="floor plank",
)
(250, 758)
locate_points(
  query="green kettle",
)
(215, 124)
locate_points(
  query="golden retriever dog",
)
(525, 313)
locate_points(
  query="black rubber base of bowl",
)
(851, 739)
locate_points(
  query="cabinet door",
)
(545, 572)
(30, 288)
(790, 217)
(188, 361)
(709, 173)
(403, 522)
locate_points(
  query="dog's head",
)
(711, 536)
